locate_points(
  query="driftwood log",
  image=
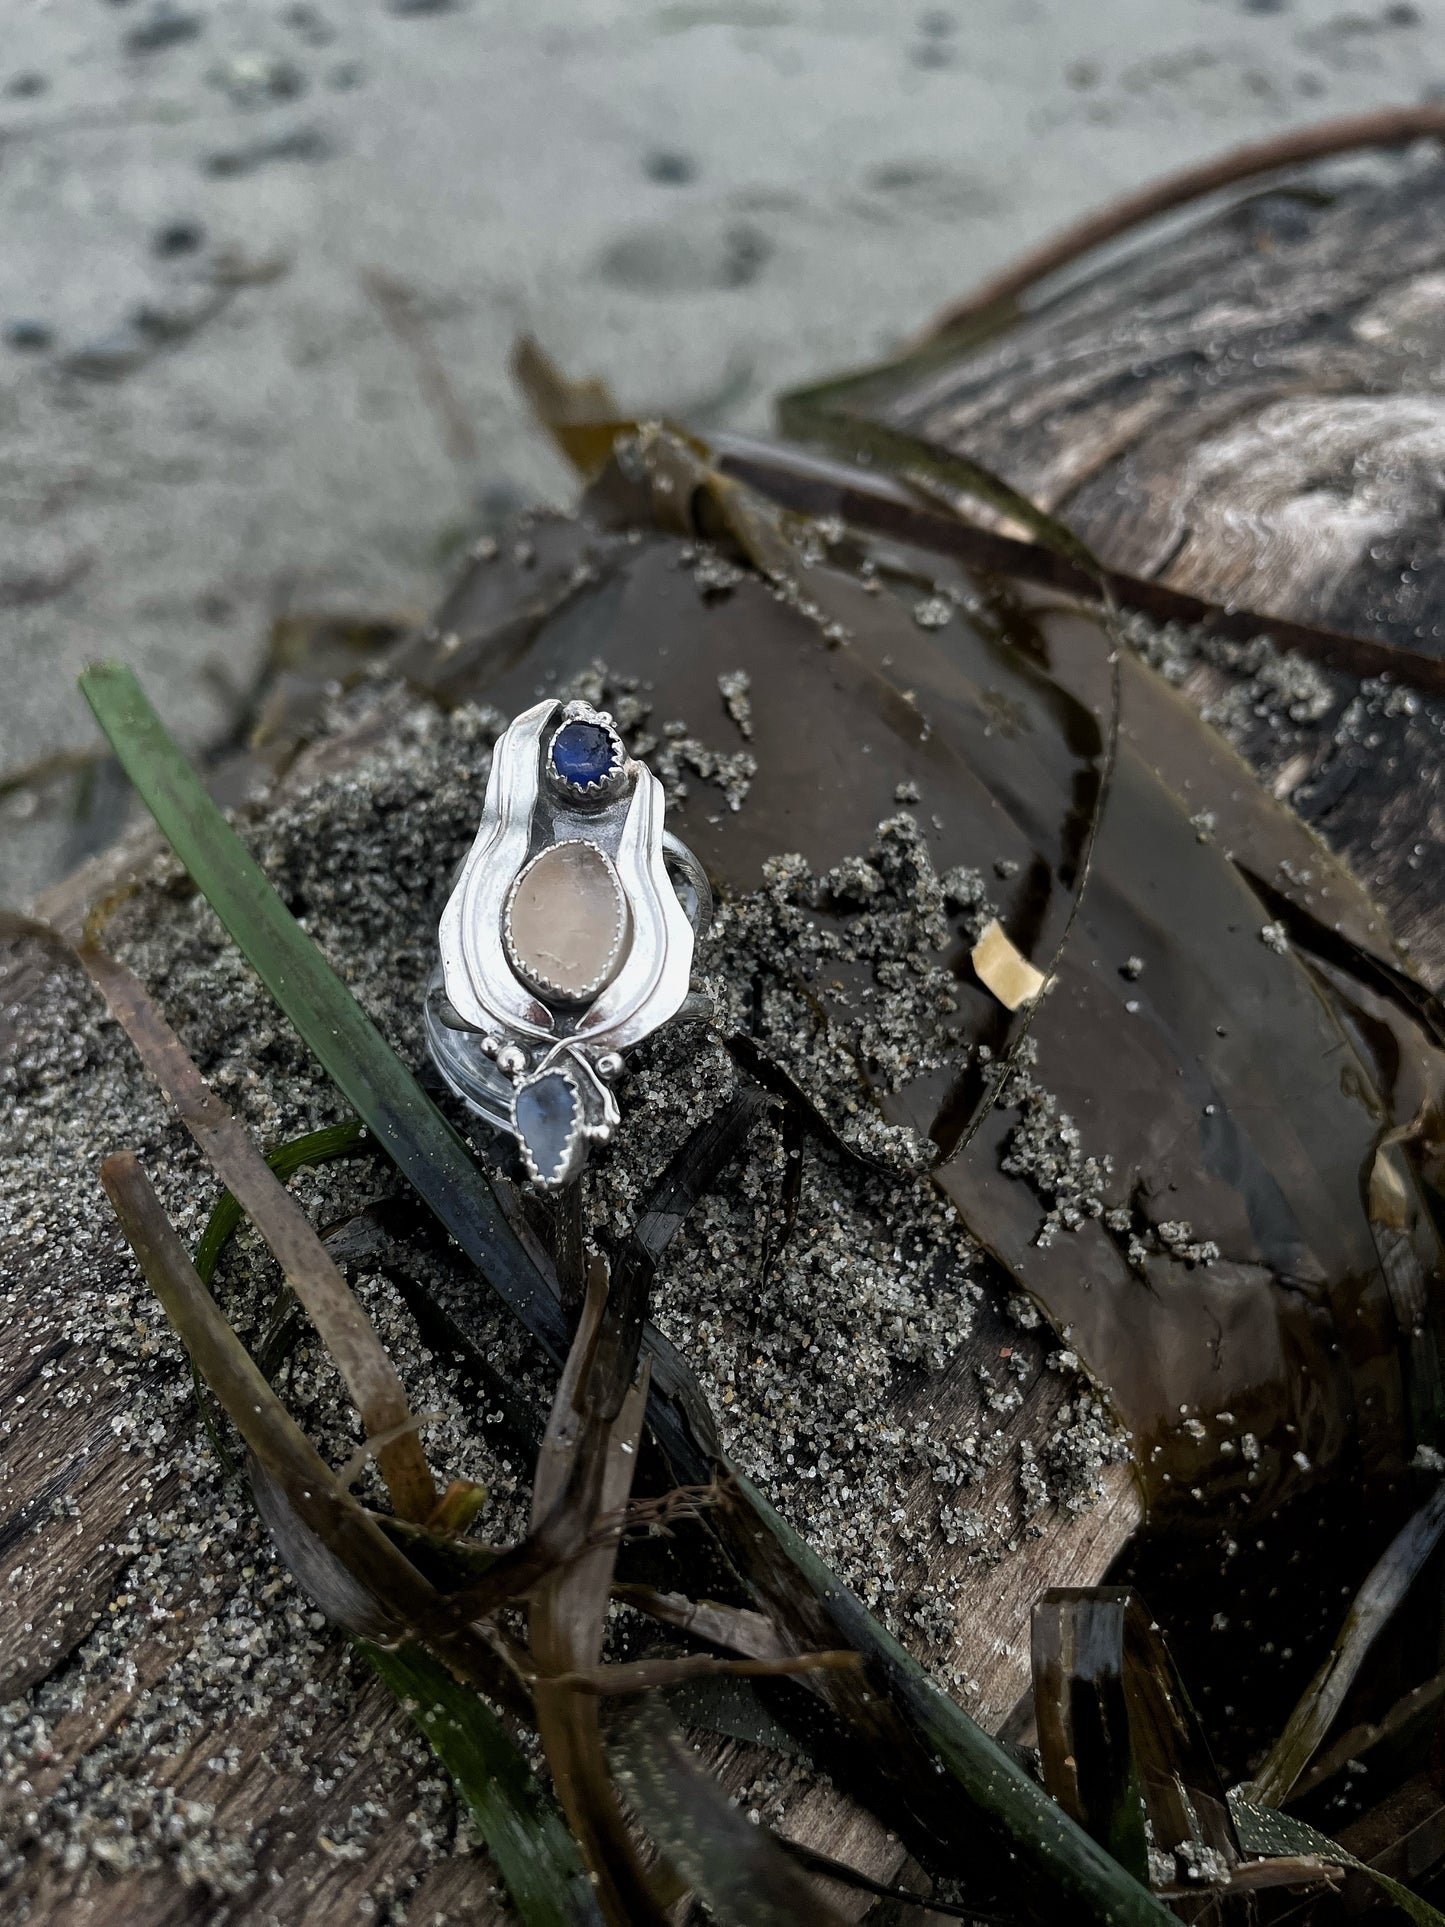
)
(1251, 410)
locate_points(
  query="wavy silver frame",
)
(489, 1032)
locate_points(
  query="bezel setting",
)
(574, 1147)
(601, 789)
(537, 979)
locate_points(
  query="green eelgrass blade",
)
(1267, 1831)
(332, 1141)
(535, 1854)
(405, 1122)
(1371, 1610)
(1055, 1850)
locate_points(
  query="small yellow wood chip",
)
(1389, 1200)
(1004, 969)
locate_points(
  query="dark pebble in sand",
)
(178, 237)
(669, 168)
(27, 334)
(165, 26)
(306, 144)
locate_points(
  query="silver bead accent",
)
(610, 1066)
(511, 1060)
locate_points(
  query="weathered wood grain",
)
(1252, 409)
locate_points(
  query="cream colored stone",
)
(566, 920)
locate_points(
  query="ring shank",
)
(699, 911)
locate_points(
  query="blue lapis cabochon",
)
(584, 754)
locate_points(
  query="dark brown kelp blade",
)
(1214, 385)
(1122, 1749)
(582, 417)
(1225, 1282)
(1119, 1743)
(884, 509)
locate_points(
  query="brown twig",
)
(656, 1675)
(738, 1628)
(1392, 127)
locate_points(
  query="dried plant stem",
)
(569, 1607)
(340, 1322)
(342, 1325)
(1371, 1610)
(275, 1438)
(737, 1627)
(656, 1675)
(343, 1525)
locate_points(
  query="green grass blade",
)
(357, 1058)
(535, 1854)
(332, 1141)
(1268, 1831)
(1056, 1853)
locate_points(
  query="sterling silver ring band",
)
(567, 939)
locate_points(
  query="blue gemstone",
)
(546, 1114)
(583, 754)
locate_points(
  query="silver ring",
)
(566, 940)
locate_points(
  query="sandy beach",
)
(263, 265)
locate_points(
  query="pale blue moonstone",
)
(546, 1118)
